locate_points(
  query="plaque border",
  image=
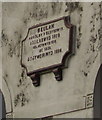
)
(68, 53)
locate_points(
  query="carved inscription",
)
(43, 40)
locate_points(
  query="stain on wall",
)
(18, 17)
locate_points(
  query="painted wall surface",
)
(51, 97)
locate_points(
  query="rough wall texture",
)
(51, 97)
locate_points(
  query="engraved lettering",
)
(44, 28)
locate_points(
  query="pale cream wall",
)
(52, 97)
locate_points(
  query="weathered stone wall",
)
(52, 97)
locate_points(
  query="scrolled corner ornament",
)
(46, 47)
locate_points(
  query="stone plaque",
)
(46, 47)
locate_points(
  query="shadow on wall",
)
(2, 106)
(97, 94)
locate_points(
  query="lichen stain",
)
(35, 12)
(72, 6)
(10, 51)
(4, 38)
(40, 11)
(79, 35)
(22, 80)
(13, 46)
(93, 39)
(21, 99)
(56, 7)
